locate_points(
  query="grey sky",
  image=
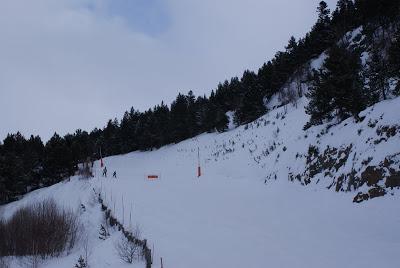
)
(71, 64)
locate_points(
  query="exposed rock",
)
(360, 197)
(376, 192)
(392, 181)
(372, 175)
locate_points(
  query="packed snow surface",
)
(233, 216)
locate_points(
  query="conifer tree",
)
(394, 60)
(322, 34)
(378, 75)
(344, 18)
(179, 118)
(394, 55)
(252, 105)
(320, 106)
(292, 45)
(191, 116)
(337, 90)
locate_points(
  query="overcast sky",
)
(70, 64)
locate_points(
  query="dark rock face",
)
(347, 167)
(372, 193)
(393, 181)
(376, 192)
(360, 197)
(329, 162)
(372, 175)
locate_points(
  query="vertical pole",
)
(161, 263)
(101, 159)
(152, 254)
(130, 218)
(123, 210)
(198, 162)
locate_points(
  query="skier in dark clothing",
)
(105, 172)
(114, 174)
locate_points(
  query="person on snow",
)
(105, 172)
(114, 174)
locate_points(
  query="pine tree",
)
(58, 162)
(111, 136)
(201, 113)
(323, 13)
(179, 119)
(221, 120)
(322, 34)
(378, 75)
(252, 104)
(128, 128)
(378, 11)
(344, 76)
(292, 45)
(394, 55)
(191, 116)
(337, 90)
(394, 60)
(320, 106)
(161, 119)
(343, 18)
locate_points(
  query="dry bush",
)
(85, 170)
(40, 229)
(33, 261)
(127, 250)
(4, 263)
(288, 95)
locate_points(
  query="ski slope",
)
(243, 211)
(228, 221)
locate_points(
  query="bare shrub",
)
(127, 250)
(40, 229)
(4, 263)
(85, 170)
(32, 261)
(288, 95)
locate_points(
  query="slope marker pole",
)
(123, 210)
(130, 217)
(198, 163)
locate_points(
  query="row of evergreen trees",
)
(26, 164)
(344, 87)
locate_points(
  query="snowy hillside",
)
(293, 164)
(244, 211)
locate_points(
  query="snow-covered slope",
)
(245, 211)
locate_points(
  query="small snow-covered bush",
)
(103, 233)
(81, 263)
